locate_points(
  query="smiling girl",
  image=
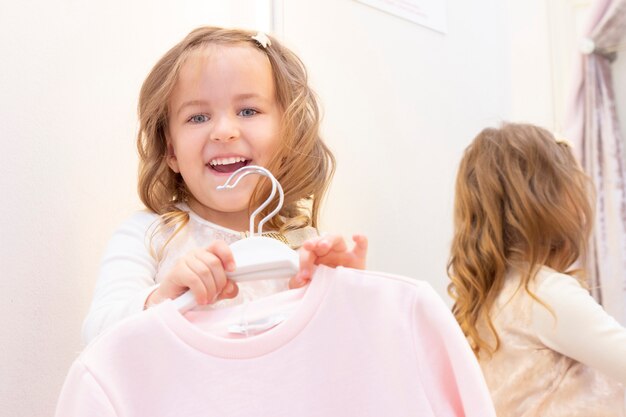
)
(219, 100)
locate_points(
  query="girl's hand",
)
(202, 270)
(331, 251)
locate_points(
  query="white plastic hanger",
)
(257, 257)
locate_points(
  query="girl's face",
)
(223, 115)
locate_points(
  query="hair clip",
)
(262, 39)
(561, 141)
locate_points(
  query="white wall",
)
(531, 58)
(401, 103)
(71, 73)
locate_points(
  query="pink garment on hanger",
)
(355, 343)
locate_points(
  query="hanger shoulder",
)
(260, 257)
(257, 258)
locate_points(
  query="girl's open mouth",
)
(228, 165)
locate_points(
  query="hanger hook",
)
(255, 169)
(251, 169)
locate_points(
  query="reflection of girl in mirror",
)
(522, 218)
(219, 100)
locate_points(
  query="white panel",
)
(429, 13)
(401, 103)
(71, 73)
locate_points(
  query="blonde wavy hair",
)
(521, 199)
(303, 164)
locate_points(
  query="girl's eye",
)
(248, 112)
(198, 118)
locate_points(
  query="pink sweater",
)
(353, 343)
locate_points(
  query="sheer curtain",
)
(593, 128)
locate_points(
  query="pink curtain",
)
(593, 128)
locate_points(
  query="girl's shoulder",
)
(549, 288)
(139, 221)
(552, 285)
(545, 277)
(546, 285)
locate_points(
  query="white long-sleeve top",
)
(129, 272)
(567, 361)
(580, 328)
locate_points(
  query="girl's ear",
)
(170, 158)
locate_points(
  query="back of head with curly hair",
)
(521, 199)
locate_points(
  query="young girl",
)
(219, 100)
(522, 218)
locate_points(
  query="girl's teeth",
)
(228, 165)
(227, 161)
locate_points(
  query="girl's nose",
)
(225, 129)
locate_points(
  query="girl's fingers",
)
(215, 266)
(203, 272)
(297, 282)
(340, 256)
(334, 243)
(219, 275)
(217, 258)
(230, 290)
(307, 261)
(338, 244)
(332, 251)
(360, 246)
(223, 252)
(311, 243)
(191, 280)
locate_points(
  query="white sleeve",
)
(126, 277)
(582, 329)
